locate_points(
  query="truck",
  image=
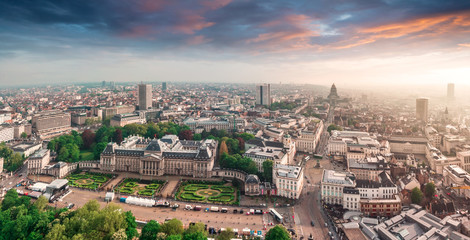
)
(214, 209)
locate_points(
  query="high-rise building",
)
(145, 96)
(422, 109)
(450, 91)
(263, 94)
(163, 86)
(103, 84)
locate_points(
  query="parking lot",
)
(212, 219)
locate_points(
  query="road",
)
(309, 207)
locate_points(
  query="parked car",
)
(241, 211)
(224, 210)
(188, 207)
(70, 206)
(312, 223)
(235, 211)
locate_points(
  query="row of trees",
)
(12, 161)
(283, 105)
(417, 195)
(20, 219)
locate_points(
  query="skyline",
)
(375, 43)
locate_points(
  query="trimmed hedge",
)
(146, 192)
(153, 186)
(223, 197)
(224, 189)
(192, 196)
(195, 187)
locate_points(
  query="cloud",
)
(464, 44)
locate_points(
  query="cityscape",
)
(233, 119)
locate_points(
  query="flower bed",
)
(206, 192)
(88, 180)
(138, 187)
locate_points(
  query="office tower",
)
(145, 96)
(163, 86)
(263, 94)
(422, 109)
(103, 84)
(450, 91)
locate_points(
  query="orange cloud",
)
(464, 44)
(190, 23)
(415, 28)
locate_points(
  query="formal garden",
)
(88, 180)
(139, 187)
(208, 192)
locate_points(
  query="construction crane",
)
(461, 187)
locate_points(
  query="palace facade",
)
(157, 157)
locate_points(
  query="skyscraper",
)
(163, 86)
(422, 109)
(103, 84)
(145, 96)
(263, 94)
(450, 91)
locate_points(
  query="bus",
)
(318, 156)
(276, 215)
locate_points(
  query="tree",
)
(416, 195)
(119, 235)
(14, 162)
(131, 230)
(334, 127)
(197, 227)
(197, 137)
(268, 170)
(88, 138)
(185, 135)
(173, 227)
(99, 149)
(430, 190)
(118, 136)
(223, 148)
(226, 234)
(174, 237)
(241, 144)
(41, 203)
(278, 232)
(63, 154)
(150, 230)
(24, 135)
(195, 236)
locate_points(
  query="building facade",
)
(422, 109)
(289, 180)
(168, 156)
(333, 183)
(50, 124)
(38, 161)
(263, 94)
(145, 96)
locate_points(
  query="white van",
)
(214, 209)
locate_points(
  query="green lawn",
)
(87, 155)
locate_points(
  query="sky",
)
(350, 43)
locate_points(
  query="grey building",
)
(145, 96)
(263, 94)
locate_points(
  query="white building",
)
(353, 144)
(351, 199)
(261, 154)
(6, 133)
(308, 140)
(38, 161)
(384, 188)
(333, 183)
(455, 176)
(464, 158)
(4, 117)
(289, 180)
(207, 124)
